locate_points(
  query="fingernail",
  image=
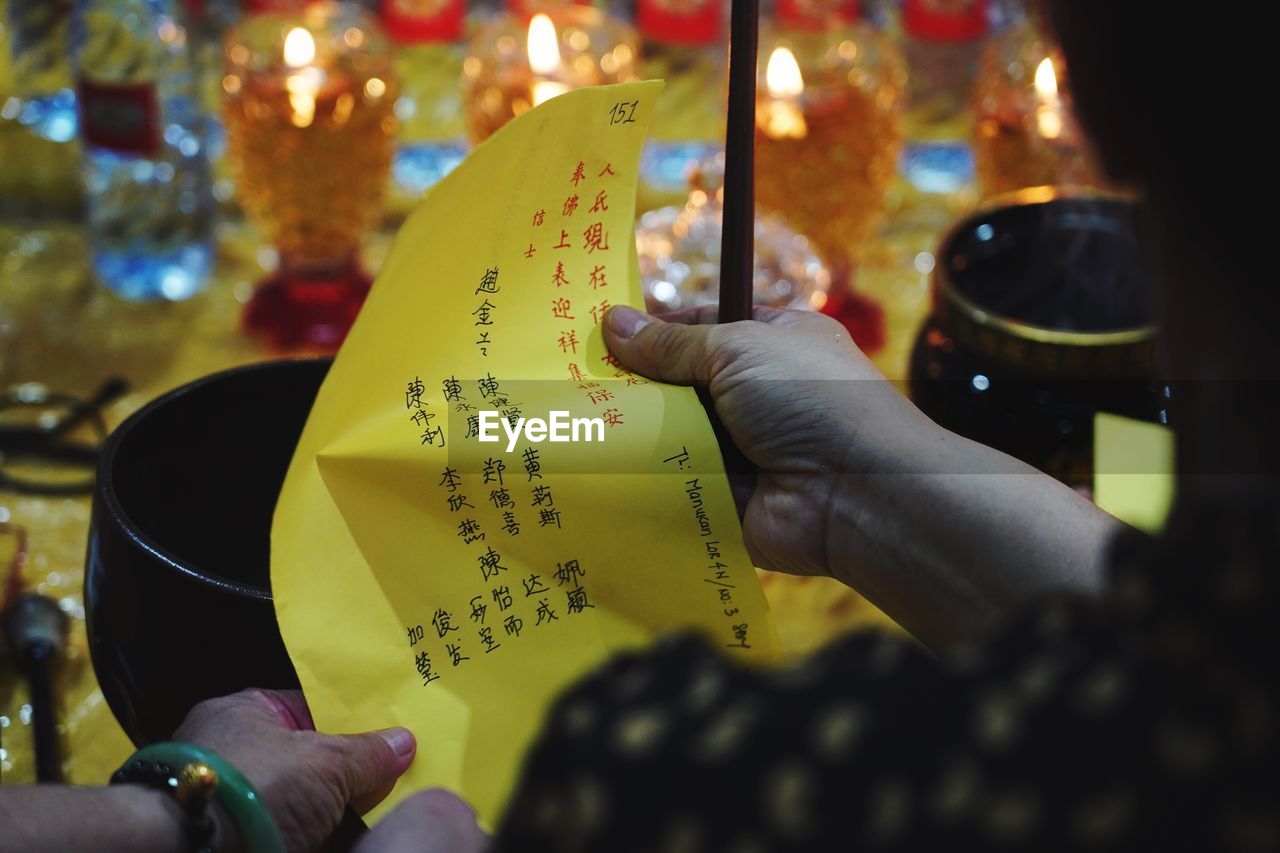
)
(400, 740)
(625, 321)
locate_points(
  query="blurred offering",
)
(828, 125)
(683, 42)
(516, 62)
(942, 41)
(308, 105)
(1026, 134)
(145, 135)
(427, 35)
(679, 249)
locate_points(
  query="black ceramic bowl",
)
(1041, 319)
(177, 584)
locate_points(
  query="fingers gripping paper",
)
(426, 578)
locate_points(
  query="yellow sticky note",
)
(1133, 470)
(426, 578)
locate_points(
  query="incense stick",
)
(737, 241)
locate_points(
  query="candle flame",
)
(544, 45)
(782, 75)
(299, 48)
(1047, 80)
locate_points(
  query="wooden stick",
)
(737, 242)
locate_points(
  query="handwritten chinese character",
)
(469, 530)
(489, 281)
(509, 523)
(631, 378)
(564, 241)
(488, 386)
(534, 585)
(478, 609)
(421, 417)
(578, 174)
(530, 252)
(577, 599)
(612, 417)
(492, 471)
(513, 626)
(473, 426)
(560, 309)
(457, 502)
(489, 563)
(601, 203)
(595, 238)
(450, 479)
(483, 343)
(486, 638)
(601, 396)
(545, 613)
(482, 313)
(455, 653)
(608, 167)
(423, 662)
(415, 634)
(501, 499)
(598, 312)
(538, 216)
(431, 435)
(452, 390)
(413, 394)
(532, 463)
(569, 572)
(502, 597)
(568, 341)
(598, 278)
(560, 279)
(575, 372)
(443, 622)
(611, 359)
(570, 205)
(542, 496)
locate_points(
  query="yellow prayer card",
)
(484, 504)
(1133, 470)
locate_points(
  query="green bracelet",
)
(236, 793)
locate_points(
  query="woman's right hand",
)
(856, 483)
(798, 398)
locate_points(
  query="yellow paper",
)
(1133, 470)
(376, 561)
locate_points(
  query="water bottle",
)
(683, 43)
(144, 131)
(45, 100)
(432, 139)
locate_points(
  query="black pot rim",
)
(105, 490)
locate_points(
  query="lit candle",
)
(782, 117)
(516, 63)
(543, 46)
(1049, 112)
(304, 80)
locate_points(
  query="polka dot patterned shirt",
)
(1147, 720)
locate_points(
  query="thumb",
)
(670, 352)
(372, 762)
(434, 821)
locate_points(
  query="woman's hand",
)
(797, 397)
(943, 534)
(307, 779)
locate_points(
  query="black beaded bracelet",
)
(192, 786)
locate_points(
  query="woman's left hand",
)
(306, 779)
